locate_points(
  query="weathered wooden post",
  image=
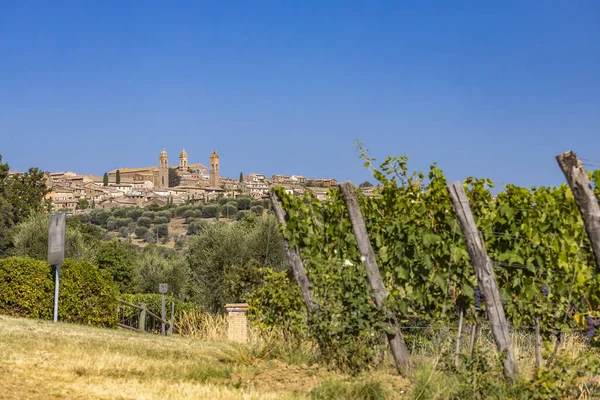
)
(586, 200)
(293, 256)
(458, 335)
(237, 330)
(172, 320)
(485, 277)
(397, 344)
(142, 321)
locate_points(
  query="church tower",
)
(163, 170)
(214, 169)
(183, 160)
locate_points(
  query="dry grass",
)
(44, 360)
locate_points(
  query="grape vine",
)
(535, 238)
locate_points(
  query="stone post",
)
(238, 323)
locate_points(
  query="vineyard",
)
(534, 239)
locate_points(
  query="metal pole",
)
(57, 280)
(163, 315)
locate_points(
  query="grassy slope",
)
(42, 360)
(45, 360)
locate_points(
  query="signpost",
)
(56, 250)
(163, 288)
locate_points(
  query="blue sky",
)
(487, 89)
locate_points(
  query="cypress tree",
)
(105, 179)
(241, 177)
(118, 177)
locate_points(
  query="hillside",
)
(43, 360)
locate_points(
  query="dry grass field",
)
(43, 360)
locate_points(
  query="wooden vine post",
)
(397, 344)
(586, 200)
(485, 277)
(293, 256)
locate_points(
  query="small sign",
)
(56, 239)
(163, 288)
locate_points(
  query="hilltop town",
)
(180, 184)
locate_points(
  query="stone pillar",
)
(238, 323)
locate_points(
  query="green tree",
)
(220, 256)
(118, 177)
(105, 179)
(31, 239)
(119, 260)
(20, 196)
(365, 184)
(156, 266)
(174, 178)
(244, 203)
(241, 177)
(83, 204)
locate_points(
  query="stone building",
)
(214, 169)
(158, 177)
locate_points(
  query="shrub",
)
(111, 224)
(277, 303)
(256, 203)
(135, 213)
(244, 203)
(84, 218)
(162, 230)
(228, 210)
(188, 215)
(87, 294)
(121, 222)
(26, 287)
(196, 227)
(241, 215)
(119, 212)
(180, 211)
(179, 242)
(222, 200)
(148, 214)
(233, 203)
(99, 217)
(150, 237)
(145, 222)
(159, 220)
(124, 232)
(210, 211)
(163, 214)
(257, 210)
(141, 231)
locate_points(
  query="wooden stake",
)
(397, 344)
(586, 200)
(294, 256)
(555, 351)
(538, 344)
(485, 277)
(460, 326)
(474, 337)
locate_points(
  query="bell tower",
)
(163, 170)
(183, 160)
(214, 169)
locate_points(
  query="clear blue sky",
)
(488, 89)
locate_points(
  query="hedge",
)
(87, 293)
